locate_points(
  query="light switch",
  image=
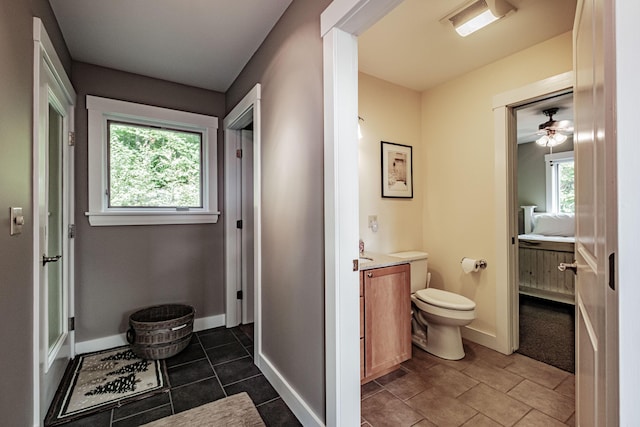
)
(17, 220)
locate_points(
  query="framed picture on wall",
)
(397, 170)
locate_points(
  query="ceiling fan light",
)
(543, 140)
(559, 137)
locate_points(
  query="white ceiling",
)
(202, 43)
(412, 48)
(206, 43)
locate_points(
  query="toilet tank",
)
(418, 261)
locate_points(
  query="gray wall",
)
(16, 258)
(289, 67)
(122, 269)
(531, 173)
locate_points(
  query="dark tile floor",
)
(217, 364)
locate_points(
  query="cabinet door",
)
(387, 317)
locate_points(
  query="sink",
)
(365, 259)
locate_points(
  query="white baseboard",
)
(481, 337)
(295, 402)
(99, 344)
(118, 340)
(209, 322)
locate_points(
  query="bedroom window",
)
(150, 165)
(560, 179)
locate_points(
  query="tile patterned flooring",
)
(486, 388)
(217, 363)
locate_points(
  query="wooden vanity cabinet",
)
(385, 315)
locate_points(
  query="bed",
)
(549, 242)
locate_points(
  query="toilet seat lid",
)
(445, 299)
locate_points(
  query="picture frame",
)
(397, 170)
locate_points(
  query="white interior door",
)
(53, 211)
(595, 220)
(247, 285)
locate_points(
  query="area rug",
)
(233, 411)
(102, 380)
(547, 332)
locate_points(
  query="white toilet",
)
(437, 314)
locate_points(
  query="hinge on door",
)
(72, 323)
(239, 224)
(239, 153)
(239, 295)
(72, 231)
(72, 139)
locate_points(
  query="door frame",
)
(504, 105)
(44, 55)
(245, 112)
(341, 22)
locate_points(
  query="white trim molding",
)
(245, 112)
(101, 110)
(111, 341)
(293, 400)
(51, 86)
(340, 23)
(506, 340)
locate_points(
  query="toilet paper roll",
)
(469, 265)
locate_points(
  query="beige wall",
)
(458, 136)
(452, 134)
(391, 113)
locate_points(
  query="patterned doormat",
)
(102, 380)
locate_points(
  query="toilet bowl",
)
(437, 314)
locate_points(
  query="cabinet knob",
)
(369, 274)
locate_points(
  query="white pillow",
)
(550, 224)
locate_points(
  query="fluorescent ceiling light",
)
(477, 14)
(473, 25)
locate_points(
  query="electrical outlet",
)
(373, 223)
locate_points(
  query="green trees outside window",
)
(153, 167)
(566, 192)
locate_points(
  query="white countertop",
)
(370, 260)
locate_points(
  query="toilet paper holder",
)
(481, 263)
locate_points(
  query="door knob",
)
(573, 267)
(46, 259)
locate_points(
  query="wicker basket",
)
(160, 331)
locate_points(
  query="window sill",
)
(143, 218)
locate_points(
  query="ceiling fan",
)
(553, 132)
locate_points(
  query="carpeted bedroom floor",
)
(547, 332)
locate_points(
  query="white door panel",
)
(52, 215)
(595, 221)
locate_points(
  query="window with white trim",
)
(150, 165)
(560, 179)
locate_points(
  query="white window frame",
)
(100, 111)
(551, 177)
